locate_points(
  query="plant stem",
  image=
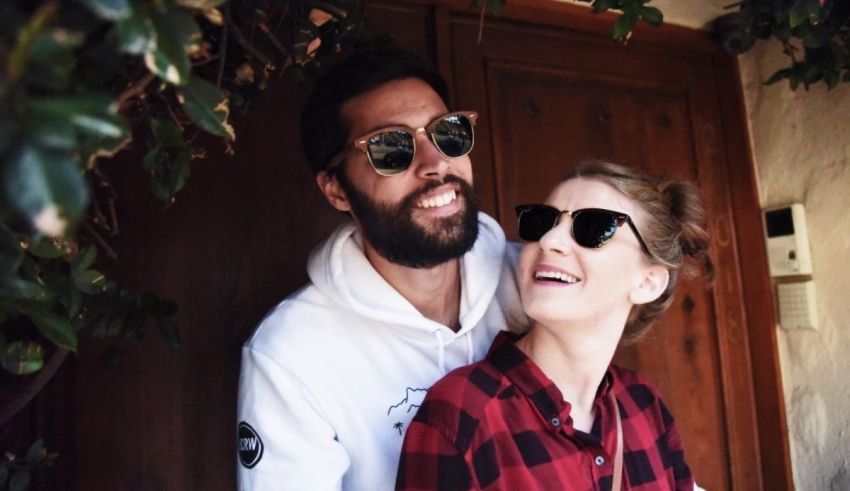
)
(250, 48)
(134, 90)
(26, 393)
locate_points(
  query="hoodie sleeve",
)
(283, 441)
(508, 291)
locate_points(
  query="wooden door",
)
(551, 97)
(231, 246)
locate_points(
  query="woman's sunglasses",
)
(391, 150)
(592, 227)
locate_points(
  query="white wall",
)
(801, 147)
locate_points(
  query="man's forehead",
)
(407, 102)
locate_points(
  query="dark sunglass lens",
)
(453, 135)
(593, 228)
(535, 221)
(391, 152)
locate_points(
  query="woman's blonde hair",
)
(674, 227)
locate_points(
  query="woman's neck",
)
(575, 358)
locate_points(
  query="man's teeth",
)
(555, 276)
(440, 200)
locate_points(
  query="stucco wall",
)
(801, 146)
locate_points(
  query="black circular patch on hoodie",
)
(249, 444)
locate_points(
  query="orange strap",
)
(618, 456)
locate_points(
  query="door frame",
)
(751, 318)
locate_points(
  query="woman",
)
(547, 410)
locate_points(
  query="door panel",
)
(549, 99)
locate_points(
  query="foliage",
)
(80, 80)
(16, 473)
(815, 35)
(631, 12)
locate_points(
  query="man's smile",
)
(440, 200)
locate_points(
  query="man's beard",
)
(391, 230)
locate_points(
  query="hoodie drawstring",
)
(469, 349)
(441, 350)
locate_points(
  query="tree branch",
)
(222, 49)
(27, 392)
(102, 243)
(137, 89)
(250, 48)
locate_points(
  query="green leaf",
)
(83, 259)
(177, 34)
(17, 60)
(159, 187)
(48, 248)
(73, 301)
(154, 160)
(180, 170)
(109, 9)
(623, 28)
(36, 453)
(47, 187)
(166, 132)
(22, 357)
(200, 4)
(20, 480)
(93, 115)
(90, 281)
(18, 288)
(777, 76)
(53, 327)
(52, 58)
(207, 107)
(802, 11)
(652, 15)
(813, 37)
(136, 34)
(167, 327)
(603, 5)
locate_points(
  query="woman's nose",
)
(558, 238)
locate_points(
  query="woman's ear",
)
(329, 186)
(652, 285)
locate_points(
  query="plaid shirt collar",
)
(526, 376)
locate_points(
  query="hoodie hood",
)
(340, 270)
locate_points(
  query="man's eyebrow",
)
(387, 125)
(401, 125)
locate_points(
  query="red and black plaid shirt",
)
(502, 424)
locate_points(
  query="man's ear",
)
(651, 286)
(329, 186)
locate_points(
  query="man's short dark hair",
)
(323, 131)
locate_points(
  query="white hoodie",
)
(333, 375)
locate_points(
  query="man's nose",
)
(429, 162)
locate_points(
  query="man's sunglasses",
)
(391, 150)
(592, 227)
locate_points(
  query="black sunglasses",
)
(592, 227)
(391, 150)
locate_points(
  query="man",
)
(397, 298)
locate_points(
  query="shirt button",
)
(555, 422)
(599, 460)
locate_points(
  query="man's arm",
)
(284, 441)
